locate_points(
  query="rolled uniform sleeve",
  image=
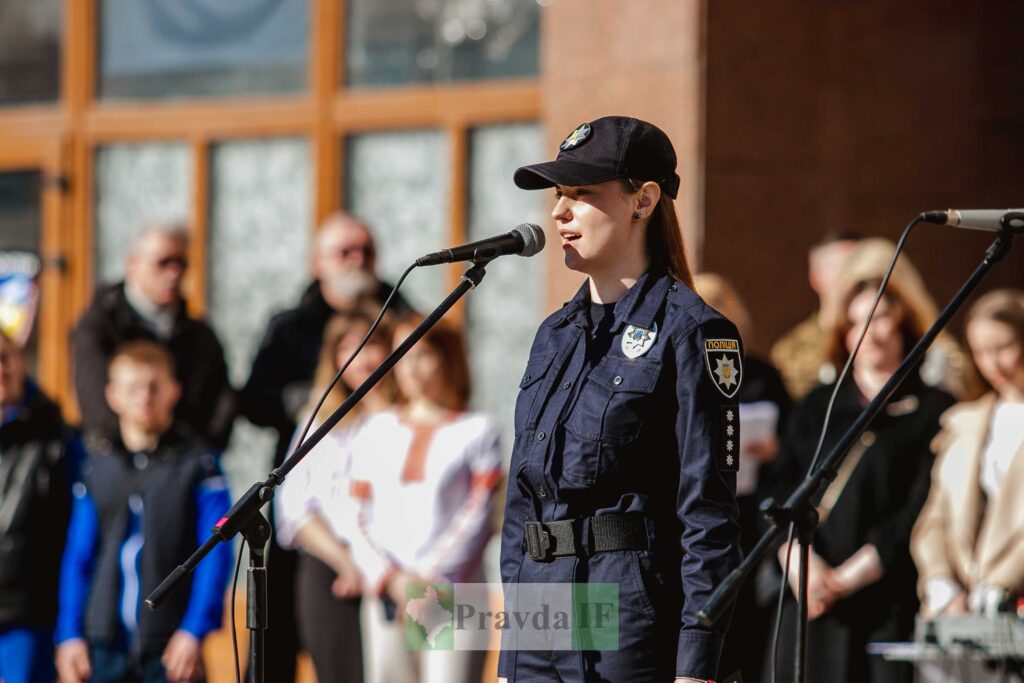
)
(709, 371)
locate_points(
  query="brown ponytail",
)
(664, 241)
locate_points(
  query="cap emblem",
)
(577, 137)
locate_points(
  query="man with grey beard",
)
(344, 266)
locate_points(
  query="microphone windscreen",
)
(533, 238)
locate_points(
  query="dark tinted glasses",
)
(365, 249)
(168, 261)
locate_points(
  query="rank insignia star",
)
(728, 440)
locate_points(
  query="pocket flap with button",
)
(529, 385)
(614, 400)
(536, 368)
(638, 375)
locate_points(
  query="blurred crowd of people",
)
(921, 516)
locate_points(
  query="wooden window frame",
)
(62, 140)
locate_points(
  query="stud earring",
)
(636, 216)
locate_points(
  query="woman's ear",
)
(647, 198)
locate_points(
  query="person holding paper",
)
(764, 406)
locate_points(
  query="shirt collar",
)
(160, 319)
(642, 302)
(167, 443)
(575, 309)
(638, 306)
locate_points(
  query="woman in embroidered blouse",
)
(969, 540)
(424, 476)
(314, 511)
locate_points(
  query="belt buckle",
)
(538, 542)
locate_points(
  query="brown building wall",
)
(641, 58)
(857, 115)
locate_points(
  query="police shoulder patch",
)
(577, 137)
(725, 364)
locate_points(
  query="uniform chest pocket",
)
(527, 403)
(614, 400)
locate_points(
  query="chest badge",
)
(725, 364)
(636, 341)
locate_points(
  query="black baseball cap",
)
(605, 149)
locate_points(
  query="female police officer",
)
(627, 428)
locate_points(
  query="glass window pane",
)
(398, 184)
(260, 225)
(137, 185)
(20, 223)
(30, 51)
(258, 264)
(503, 313)
(19, 211)
(392, 42)
(186, 48)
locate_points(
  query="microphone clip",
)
(1013, 221)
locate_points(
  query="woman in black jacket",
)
(861, 586)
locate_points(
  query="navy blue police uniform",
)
(624, 472)
(646, 434)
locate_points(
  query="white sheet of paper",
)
(758, 422)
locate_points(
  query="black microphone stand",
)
(245, 517)
(799, 507)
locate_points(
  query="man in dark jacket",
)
(39, 459)
(345, 270)
(149, 305)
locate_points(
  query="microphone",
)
(992, 220)
(526, 240)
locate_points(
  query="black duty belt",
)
(545, 540)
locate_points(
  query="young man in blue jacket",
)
(147, 501)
